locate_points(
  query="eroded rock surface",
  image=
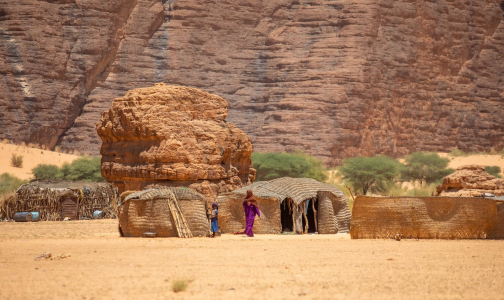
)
(470, 180)
(173, 136)
(332, 78)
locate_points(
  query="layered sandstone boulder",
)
(173, 136)
(470, 180)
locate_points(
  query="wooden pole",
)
(351, 193)
(315, 214)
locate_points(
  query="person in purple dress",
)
(251, 210)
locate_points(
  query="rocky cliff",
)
(173, 136)
(333, 78)
(470, 181)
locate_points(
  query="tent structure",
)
(427, 218)
(164, 212)
(301, 205)
(54, 201)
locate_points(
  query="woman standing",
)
(214, 217)
(251, 210)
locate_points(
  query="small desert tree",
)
(365, 173)
(493, 170)
(425, 167)
(273, 165)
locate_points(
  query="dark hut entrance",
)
(286, 215)
(311, 206)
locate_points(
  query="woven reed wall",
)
(195, 214)
(422, 217)
(150, 215)
(497, 232)
(340, 210)
(45, 198)
(232, 214)
(327, 223)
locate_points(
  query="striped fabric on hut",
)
(56, 200)
(299, 205)
(165, 212)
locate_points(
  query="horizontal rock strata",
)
(331, 78)
(470, 180)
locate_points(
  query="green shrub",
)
(81, 169)
(493, 170)
(9, 183)
(397, 190)
(45, 172)
(179, 285)
(457, 152)
(273, 165)
(17, 160)
(369, 173)
(86, 169)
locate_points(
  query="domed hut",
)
(301, 205)
(165, 212)
(55, 201)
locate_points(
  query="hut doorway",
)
(69, 209)
(69, 205)
(311, 208)
(286, 216)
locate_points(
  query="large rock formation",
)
(470, 181)
(332, 78)
(173, 136)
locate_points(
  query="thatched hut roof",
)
(297, 189)
(181, 193)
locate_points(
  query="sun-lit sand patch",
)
(31, 158)
(98, 264)
(477, 159)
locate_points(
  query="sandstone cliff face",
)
(173, 136)
(469, 181)
(332, 78)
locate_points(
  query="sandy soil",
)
(105, 266)
(483, 160)
(31, 158)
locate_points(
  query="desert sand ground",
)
(479, 159)
(105, 266)
(31, 158)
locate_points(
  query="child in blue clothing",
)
(214, 216)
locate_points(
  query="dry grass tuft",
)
(179, 285)
(17, 160)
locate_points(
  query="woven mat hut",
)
(497, 232)
(166, 212)
(56, 200)
(301, 205)
(423, 217)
